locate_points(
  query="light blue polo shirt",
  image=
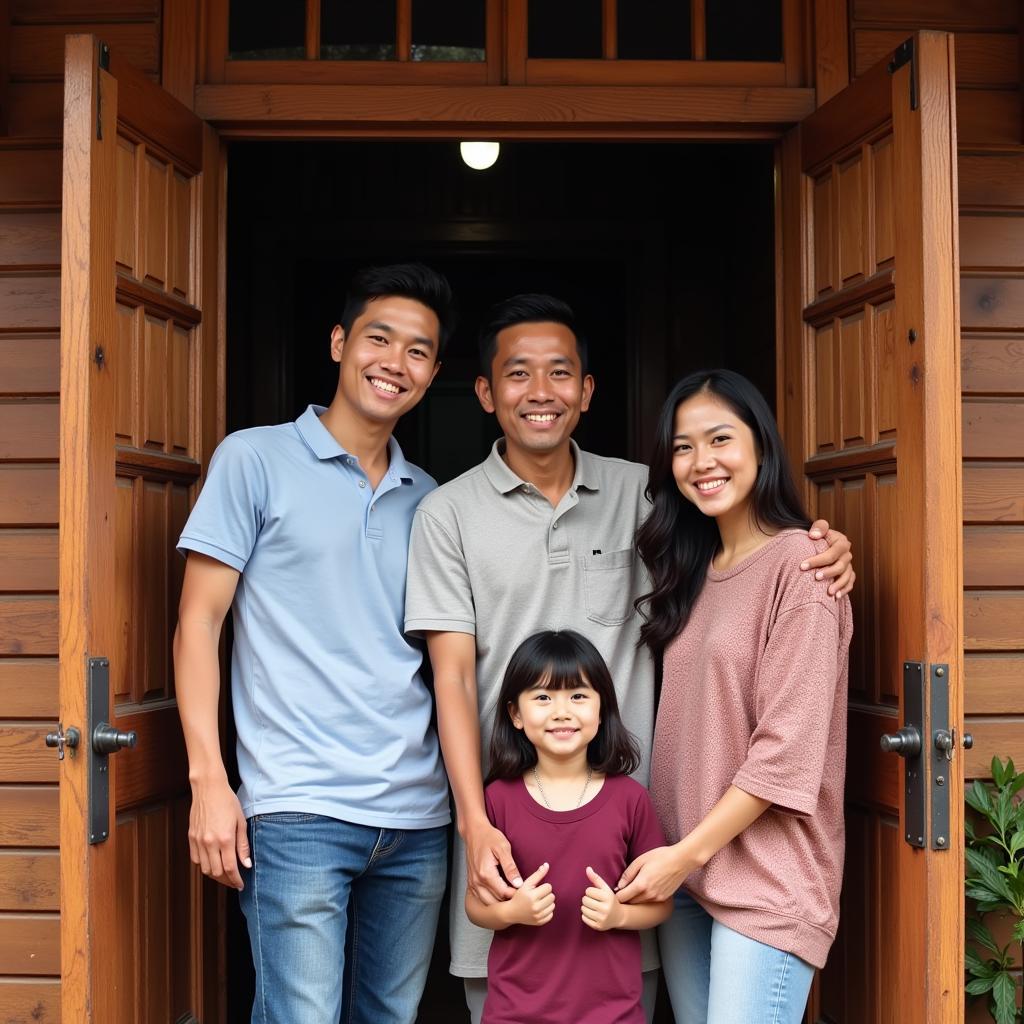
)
(332, 714)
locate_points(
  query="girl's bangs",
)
(562, 674)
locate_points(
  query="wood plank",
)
(831, 49)
(28, 625)
(28, 688)
(487, 106)
(30, 302)
(29, 816)
(36, 109)
(994, 621)
(993, 493)
(992, 179)
(29, 880)
(993, 737)
(29, 238)
(994, 557)
(29, 944)
(158, 766)
(28, 495)
(37, 51)
(43, 11)
(991, 302)
(29, 364)
(29, 1002)
(991, 241)
(941, 14)
(988, 116)
(993, 428)
(992, 363)
(31, 177)
(28, 429)
(24, 757)
(993, 684)
(178, 64)
(982, 58)
(28, 562)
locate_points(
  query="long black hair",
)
(559, 660)
(677, 541)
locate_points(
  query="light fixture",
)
(479, 155)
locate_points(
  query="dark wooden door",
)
(138, 417)
(870, 399)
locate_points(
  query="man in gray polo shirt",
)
(538, 536)
(340, 824)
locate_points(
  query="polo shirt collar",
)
(322, 443)
(505, 481)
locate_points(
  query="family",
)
(549, 585)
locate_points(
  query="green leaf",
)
(1011, 772)
(976, 966)
(972, 836)
(979, 986)
(1018, 931)
(1004, 993)
(979, 798)
(979, 933)
(985, 871)
(1016, 843)
(997, 771)
(1017, 784)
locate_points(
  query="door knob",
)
(61, 739)
(906, 742)
(108, 740)
(968, 741)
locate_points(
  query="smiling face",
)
(537, 387)
(388, 358)
(559, 723)
(715, 458)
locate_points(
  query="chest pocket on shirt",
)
(607, 586)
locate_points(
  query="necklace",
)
(543, 795)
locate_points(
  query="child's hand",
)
(601, 910)
(534, 901)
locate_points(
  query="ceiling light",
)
(479, 155)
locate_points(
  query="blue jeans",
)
(341, 918)
(717, 976)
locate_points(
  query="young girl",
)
(565, 950)
(749, 747)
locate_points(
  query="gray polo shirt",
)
(489, 556)
(332, 714)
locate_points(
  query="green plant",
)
(995, 881)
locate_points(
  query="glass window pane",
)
(267, 30)
(654, 30)
(357, 30)
(565, 28)
(744, 30)
(448, 29)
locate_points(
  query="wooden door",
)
(138, 417)
(869, 392)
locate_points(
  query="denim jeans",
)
(717, 976)
(341, 918)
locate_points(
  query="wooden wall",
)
(30, 199)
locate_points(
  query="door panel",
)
(869, 399)
(138, 419)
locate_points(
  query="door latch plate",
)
(915, 790)
(97, 682)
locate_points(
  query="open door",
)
(870, 396)
(138, 420)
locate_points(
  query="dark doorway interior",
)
(665, 250)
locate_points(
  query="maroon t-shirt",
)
(565, 972)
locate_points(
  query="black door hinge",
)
(904, 54)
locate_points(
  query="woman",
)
(749, 749)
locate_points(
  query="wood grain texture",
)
(994, 180)
(29, 364)
(28, 688)
(35, 109)
(30, 1001)
(37, 51)
(29, 880)
(993, 493)
(948, 15)
(485, 106)
(988, 116)
(31, 177)
(29, 944)
(82, 11)
(992, 363)
(831, 49)
(992, 241)
(993, 428)
(28, 495)
(988, 302)
(28, 430)
(28, 625)
(994, 620)
(994, 557)
(28, 562)
(29, 238)
(982, 58)
(28, 816)
(31, 302)
(993, 737)
(993, 683)
(24, 757)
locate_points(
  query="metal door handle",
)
(108, 740)
(906, 742)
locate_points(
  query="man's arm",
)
(217, 828)
(453, 657)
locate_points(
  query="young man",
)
(302, 530)
(539, 536)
